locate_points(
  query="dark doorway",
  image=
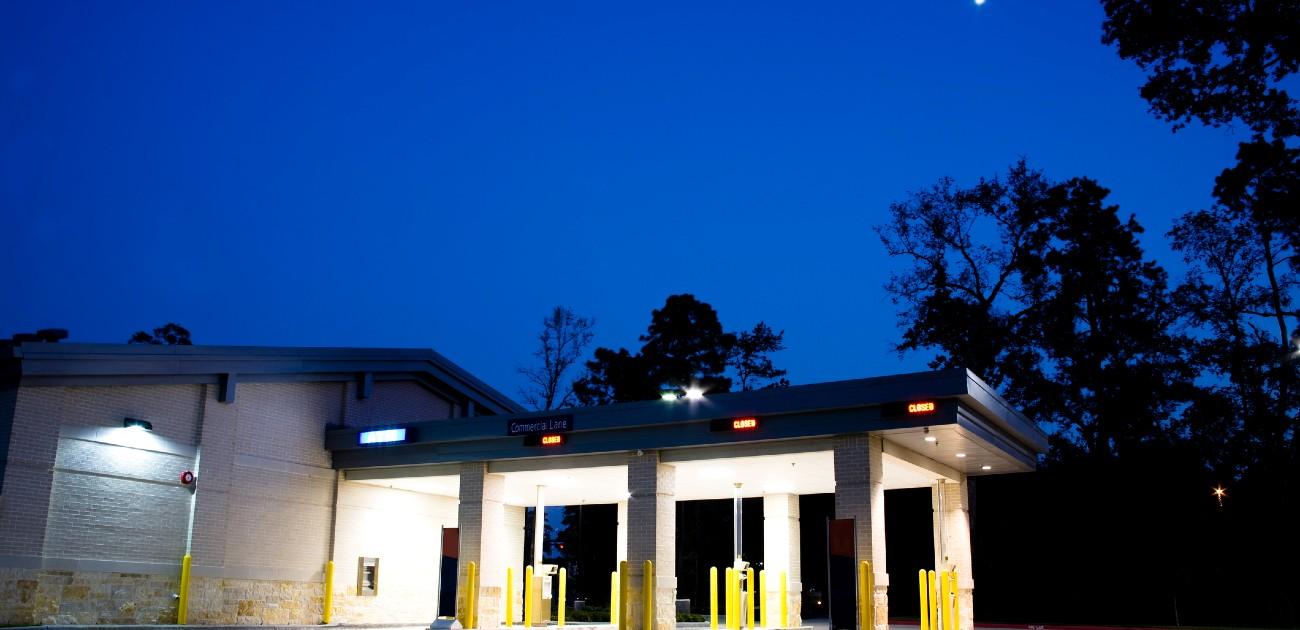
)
(909, 548)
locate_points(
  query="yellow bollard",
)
(956, 599)
(183, 606)
(762, 598)
(613, 598)
(510, 597)
(871, 598)
(622, 596)
(731, 600)
(327, 609)
(925, 601)
(749, 599)
(785, 600)
(713, 598)
(733, 616)
(560, 608)
(864, 606)
(932, 586)
(648, 596)
(473, 594)
(945, 597)
(528, 597)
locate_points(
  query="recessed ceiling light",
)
(961, 456)
(986, 467)
(931, 438)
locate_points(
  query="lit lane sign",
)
(920, 407)
(905, 408)
(381, 436)
(538, 426)
(748, 423)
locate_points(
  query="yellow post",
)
(472, 613)
(528, 597)
(731, 602)
(785, 599)
(510, 596)
(733, 595)
(560, 608)
(932, 586)
(871, 598)
(613, 598)
(713, 598)
(762, 598)
(864, 608)
(956, 606)
(648, 596)
(925, 601)
(749, 599)
(327, 610)
(622, 596)
(183, 607)
(945, 603)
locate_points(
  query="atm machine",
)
(544, 574)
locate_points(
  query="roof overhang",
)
(965, 409)
(64, 364)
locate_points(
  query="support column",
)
(622, 533)
(860, 495)
(781, 553)
(481, 518)
(952, 549)
(652, 535)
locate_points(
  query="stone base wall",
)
(47, 597)
(226, 601)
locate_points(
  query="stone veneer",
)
(46, 597)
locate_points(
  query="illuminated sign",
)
(920, 407)
(907, 408)
(381, 436)
(540, 425)
(545, 439)
(747, 423)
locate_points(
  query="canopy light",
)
(961, 455)
(986, 467)
(138, 424)
(381, 436)
(694, 393)
(669, 395)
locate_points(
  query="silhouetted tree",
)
(684, 345)
(751, 361)
(563, 338)
(1216, 62)
(1042, 289)
(172, 334)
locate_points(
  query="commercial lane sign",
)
(540, 425)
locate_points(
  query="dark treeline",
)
(1155, 390)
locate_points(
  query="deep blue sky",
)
(438, 174)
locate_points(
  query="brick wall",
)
(92, 521)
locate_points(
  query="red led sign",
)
(744, 424)
(545, 439)
(920, 407)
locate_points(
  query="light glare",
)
(694, 393)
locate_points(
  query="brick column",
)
(781, 553)
(652, 535)
(952, 541)
(481, 519)
(860, 495)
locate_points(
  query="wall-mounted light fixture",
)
(136, 423)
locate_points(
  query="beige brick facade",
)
(93, 522)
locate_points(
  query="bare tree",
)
(563, 338)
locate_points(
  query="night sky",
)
(438, 174)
